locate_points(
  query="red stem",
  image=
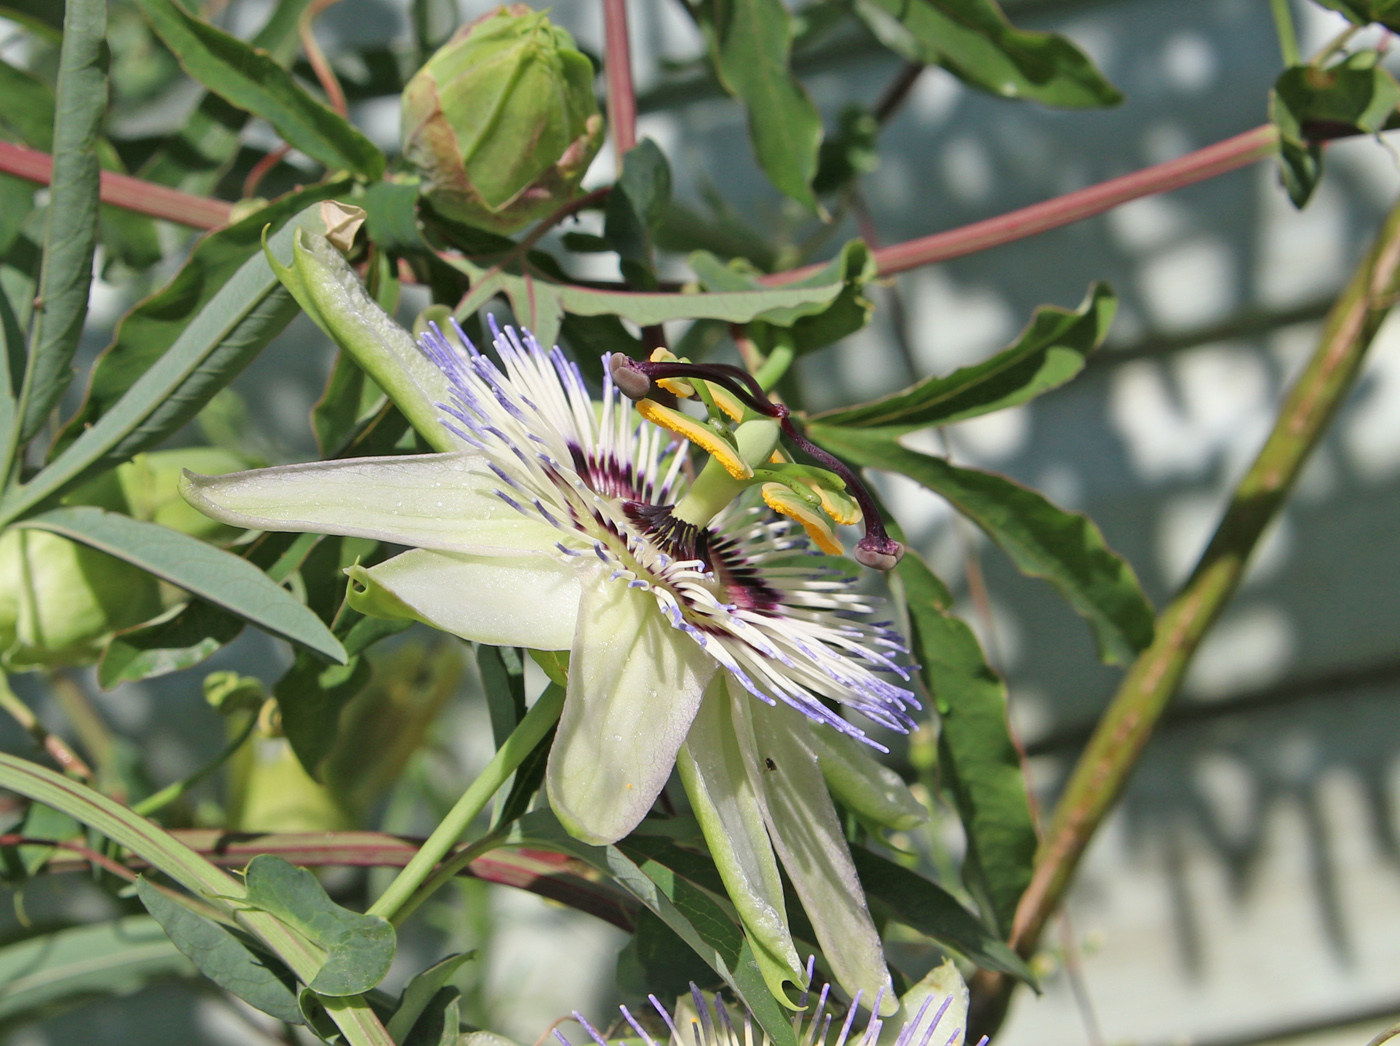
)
(122, 190)
(622, 99)
(550, 875)
(1231, 154)
(1240, 151)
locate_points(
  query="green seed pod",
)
(502, 122)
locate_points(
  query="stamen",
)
(876, 550)
(707, 439)
(781, 499)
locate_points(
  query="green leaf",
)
(44, 17)
(697, 917)
(978, 762)
(201, 569)
(1364, 12)
(45, 973)
(70, 235)
(29, 107)
(1310, 105)
(634, 207)
(163, 851)
(934, 912)
(973, 40)
(206, 144)
(174, 351)
(225, 957)
(252, 80)
(1048, 353)
(544, 302)
(1064, 548)
(750, 44)
(391, 217)
(181, 639)
(420, 992)
(359, 948)
(190, 633)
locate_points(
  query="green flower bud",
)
(61, 601)
(502, 122)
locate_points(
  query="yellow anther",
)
(786, 501)
(726, 401)
(676, 386)
(705, 438)
(779, 458)
(837, 504)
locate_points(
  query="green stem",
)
(171, 792)
(1103, 770)
(447, 872)
(518, 745)
(1287, 36)
(65, 757)
(778, 361)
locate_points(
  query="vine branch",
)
(617, 61)
(1106, 764)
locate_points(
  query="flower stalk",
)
(403, 894)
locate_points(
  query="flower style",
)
(704, 631)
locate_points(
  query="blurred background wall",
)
(1248, 888)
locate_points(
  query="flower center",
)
(738, 458)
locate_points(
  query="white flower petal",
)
(943, 998)
(634, 686)
(529, 601)
(722, 797)
(440, 501)
(807, 835)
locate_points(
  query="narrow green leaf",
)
(1064, 548)
(811, 325)
(206, 144)
(191, 633)
(44, 17)
(359, 948)
(29, 107)
(70, 235)
(634, 206)
(252, 80)
(691, 912)
(1048, 353)
(973, 40)
(503, 679)
(163, 851)
(181, 639)
(978, 762)
(419, 993)
(48, 972)
(750, 45)
(224, 957)
(647, 309)
(201, 569)
(934, 912)
(175, 350)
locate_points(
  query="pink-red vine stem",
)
(201, 212)
(122, 190)
(622, 97)
(1220, 158)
